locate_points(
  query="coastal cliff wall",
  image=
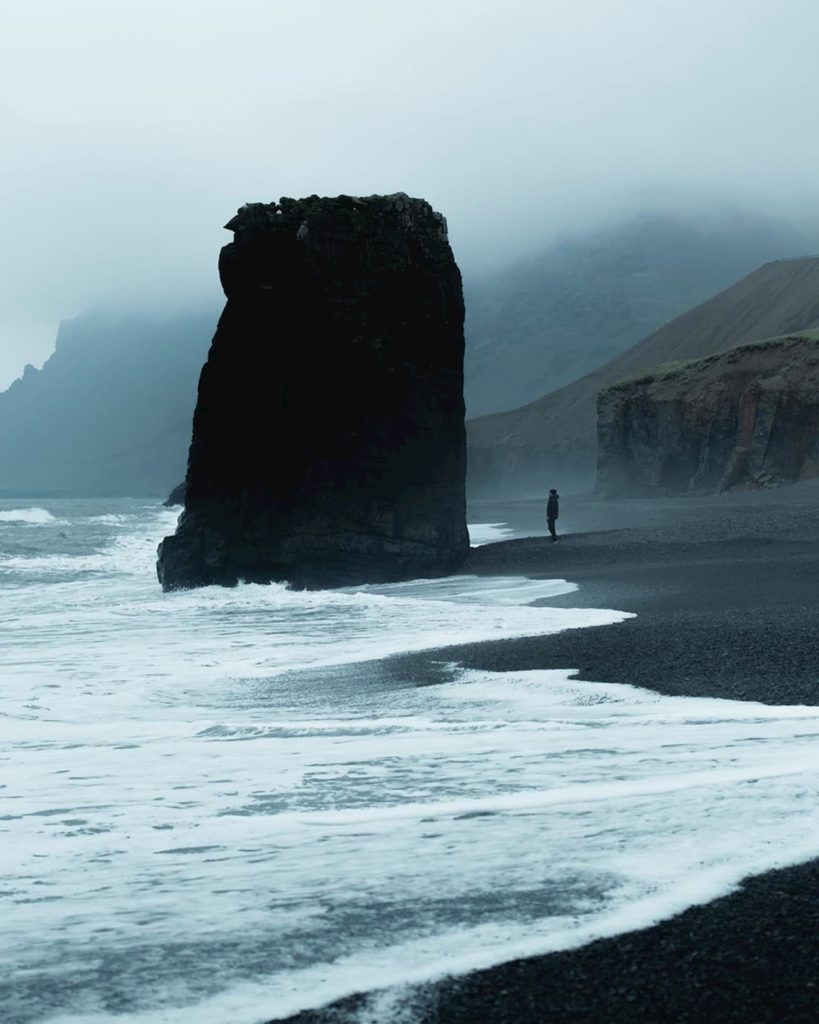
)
(328, 438)
(745, 417)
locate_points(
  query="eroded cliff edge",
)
(328, 439)
(745, 417)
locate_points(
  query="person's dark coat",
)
(552, 507)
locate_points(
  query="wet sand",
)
(726, 591)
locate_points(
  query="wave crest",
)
(32, 516)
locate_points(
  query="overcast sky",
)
(132, 130)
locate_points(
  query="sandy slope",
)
(555, 435)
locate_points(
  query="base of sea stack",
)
(748, 958)
(201, 555)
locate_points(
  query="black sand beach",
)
(726, 591)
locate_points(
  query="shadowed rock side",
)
(328, 439)
(749, 416)
(176, 496)
(554, 439)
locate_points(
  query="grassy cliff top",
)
(678, 368)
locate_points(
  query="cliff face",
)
(328, 438)
(110, 412)
(552, 442)
(746, 417)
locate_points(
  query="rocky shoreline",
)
(725, 595)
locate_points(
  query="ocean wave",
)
(31, 516)
(686, 802)
(128, 553)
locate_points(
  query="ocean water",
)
(230, 805)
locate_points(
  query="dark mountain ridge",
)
(110, 412)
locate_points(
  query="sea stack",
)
(328, 439)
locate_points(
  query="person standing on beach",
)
(552, 512)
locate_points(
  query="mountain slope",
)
(552, 441)
(110, 412)
(564, 312)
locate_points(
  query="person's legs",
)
(551, 524)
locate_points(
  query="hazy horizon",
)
(134, 132)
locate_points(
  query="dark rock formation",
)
(177, 495)
(552, 442)
(746, 417)
(328, 439)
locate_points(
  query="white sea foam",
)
(494, 590)
(32, 516)
(195, 829)
(486, 533)
(518, 814)
(112, 519)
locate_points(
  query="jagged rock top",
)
(381, 232)
(362, 209)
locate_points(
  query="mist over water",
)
(226, 804)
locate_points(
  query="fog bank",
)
(132, 132)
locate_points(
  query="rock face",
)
(328, 440)
(110, 412)
(176, 497)
(745, 417)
